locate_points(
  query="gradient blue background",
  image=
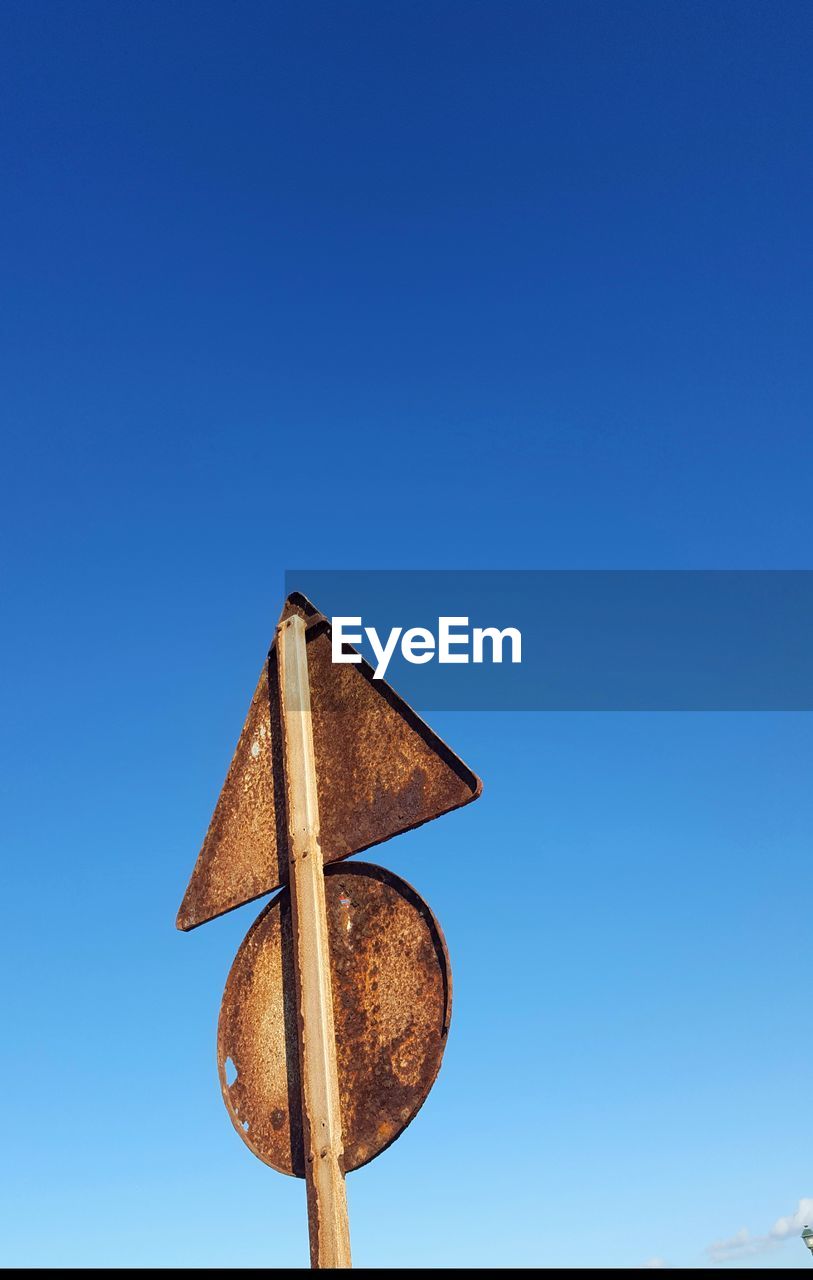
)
(402, 285)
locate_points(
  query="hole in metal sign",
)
(231, 1072)
(245, 1125)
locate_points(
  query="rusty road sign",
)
(380, 771)
(337, 1006)
(392, 1002)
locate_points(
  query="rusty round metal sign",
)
(392, 993)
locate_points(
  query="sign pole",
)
(321, 1109)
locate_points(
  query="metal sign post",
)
(321, 1111)
(337, 1005)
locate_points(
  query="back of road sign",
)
(392, 993)
(380, 770)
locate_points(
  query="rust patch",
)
(380, 771)
(391, 985)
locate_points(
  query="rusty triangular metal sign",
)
(380, 771)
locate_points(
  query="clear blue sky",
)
(402, 285)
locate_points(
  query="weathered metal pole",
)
(321, 1109)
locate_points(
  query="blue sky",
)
(419, 285)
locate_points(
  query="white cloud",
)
(743, 1244)
(656, 1263)
(784, 1227)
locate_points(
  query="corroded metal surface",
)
(380, 770)
(391, 1004)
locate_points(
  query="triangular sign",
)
(380, 771)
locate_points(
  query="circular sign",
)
(392, 992)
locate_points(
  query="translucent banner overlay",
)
(591, 640)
